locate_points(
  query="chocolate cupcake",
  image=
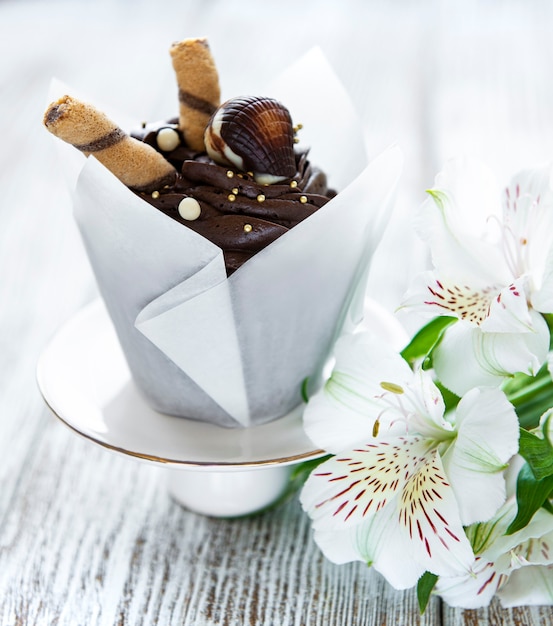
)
(229, 282)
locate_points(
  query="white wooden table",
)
(88, 537)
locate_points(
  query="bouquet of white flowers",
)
(441, 466)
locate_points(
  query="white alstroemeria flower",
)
(406, 477)
(518, 567)
(493, 269)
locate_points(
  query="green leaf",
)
(450, 399)
(537, 451)
(530, 411)
(531, 495)
(304, 392)
(425, 586)
(531, 396)
(428, 337)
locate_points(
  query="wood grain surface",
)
(91, 538)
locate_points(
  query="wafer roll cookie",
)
(199, 93)
(134, 163)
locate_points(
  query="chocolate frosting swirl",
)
(237, 214)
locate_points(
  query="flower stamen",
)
(392, 387)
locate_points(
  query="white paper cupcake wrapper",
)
(235, 351)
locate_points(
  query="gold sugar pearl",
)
(230, 174)
(248, 228)
(298, 127)
(296, 140)
(303, 199)
(261, 198)
(231, 197)
(235, 190)
(293, 184)
(155, 195)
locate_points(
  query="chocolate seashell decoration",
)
(253, 134)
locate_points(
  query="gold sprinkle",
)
(293, 184)
(230, 173)
(231, 197)
(155, 195)
(296, 140)
(303, 199)
(249, 173)
(261, 198)
(248, 228)
(235, 190)
(298, 127)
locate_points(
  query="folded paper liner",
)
(236, 351)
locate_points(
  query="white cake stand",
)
(84, 379)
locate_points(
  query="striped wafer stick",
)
(199, 93)
(135, 164)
